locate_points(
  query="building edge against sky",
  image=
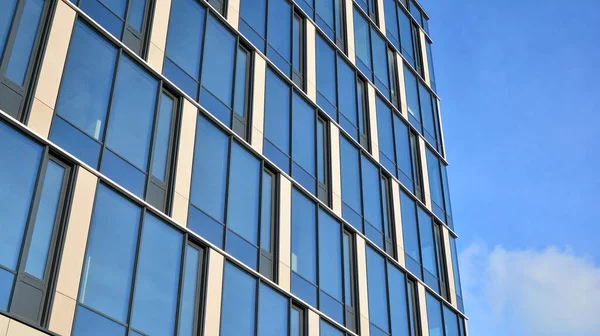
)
(241, 167)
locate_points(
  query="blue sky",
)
(521, 110)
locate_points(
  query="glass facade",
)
(192, 167)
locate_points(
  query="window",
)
(207, 61)
(32, 203)
(438, 185)
(219, 5)
(274, 28)
(369, 6)
(392, 29)
(434, 316)
(409, 40)
(319, 252)
(430, 64)
(422, 109)
(419, 16)
(20, 32)
(326, 329)
(111, 299)
(323, 160)
(251, 307)
(228, 185)
(127, 20)
(126, 134)
(329, 16)
(365, 196)
(455, 268)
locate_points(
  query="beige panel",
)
(336, 178)
(449, 265)
(55, 55)
(40, 118)
(160, 24)
(185, 157)
(3, 324)
(466, 328)
(365, 327)
(77, 233)
(381, 16)
(401, 85)
(426, 188)
(373, 121)
(63, 313)
(16, 328)
(311, 61)
(285, 231)
(258, 102)
(313, 323)
(181, 207)
(361, 269)
(214, 291)
(284, 277)
(441, 127)
(233, 13)
(156, 57)
(423, 309)
(350, 31)
(398, 222)
(424, 57)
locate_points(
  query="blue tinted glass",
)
(450, 322)
(17, 178)
(303, 289)
(295, 323)
(380, 63)
(348, 267)
(23, 45)
(244, 188)
(321, 159)
(427, 113)
(217, 66)
(122, 172)
(44, 221)
(391, 22)
(455, 268)
(6, 287)
(412, 96)
(88, 323)
(297, 41)
(326, 80)
(277, 112)
(253, 21)
(266, 216)
(104, 16)
(304, 237)
(184, 45)
(347, 92)
(239, 300)
(435, 182)
(403, 154)
(386, 135)
(280, 34)
(206, 226)
(188, 296)
(351, 193)
(331, 307)
(329, 330)
(447, 202)
(409, 227)
(241, 71)
(136, 14)
(116, 6)
(376, 282)
(108, 266)
(330, 256)
(87, 81)
(339, 22)
(430, 65)
(272, 312)
(412, 313)
(163, 137)
(362, 42)
(75, 142)
(398, 303)
(371, 194)
(303, 141)
(132, 113)
(427, 241)
(157, 278)
(406, 37)
(241, 249)
(325, 14)
(434, 316)
(209, 177)
(6, 16)
(415, 11)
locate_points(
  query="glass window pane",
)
(188, 296)
(6, 288)
(434, 316)
(209, 177)
(157, 278)
(435, 181)
(277, 112)
(391, 22)
(241, 74)
(330, 256)
(409, 226)
(244, 184)
(24, 42)
(403, 152)
(351, 192)
(6, 17)
(329, 330)
(372, 196)
(87, 81)
(321, 149)
(296, 323)
(406, 37)
(304, 239)
(160, 157)
(397, 299)
(455, 267)
(297, 40)
(280, 34)
(427, 241)
(272, 312)
(184, 45)
(217, 67)
(303, 142)
(386, 135)
(347, 93)
(239, 303)
(108, 265)
(44, 222)
(326, 81)
(253, 14)
(18, 175)
(137, 12)
(89, 323)
(362, 42)
(377, 290)
(266, 217)
(380, 63)
(348, 270)
(450, 322)
(412, 95)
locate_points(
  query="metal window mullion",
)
(228, 186)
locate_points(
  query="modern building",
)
(241, 167)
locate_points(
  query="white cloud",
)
(528, 292)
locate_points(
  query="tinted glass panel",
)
(253, 21)
(303, 142)
(280, 32)
(184, 45)
(88, 323)
(410, 230)
(376, 281)
(24, 42)
(304, 240)
(272, 312)
(217, 67)
(329, 330)
(239, 303)
(372, 200)
(326, 79)
(351, 194)
(427, 241)
(330, 256)
(434, 316)
(450, 322)
(6, 20)
(398, 301)
(362, 40)
(277, 119)
(160, 156)
(188, 296)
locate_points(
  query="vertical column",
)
(449, 265)
(285, 232)
(233, 13)
(311, 61)
(363, 294)
(158, 35)
(314, 323)
(258, 103)
(51, 72)
(423, 309)
(185, 159)
(336, 170)
(372, 100)
(214, 293)
(424, 57)
(69, 273)
(423, 156)
(350, 30)
(381, 16)
(398, 222)
(466, 328)
(401, 85)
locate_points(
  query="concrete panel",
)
(397, 208)
(336, 177)
(365, 326)
(441, 128)
(285, 220)
(285, 277)
(63, 314)
(160, 24)
(185, 157)
(311, 61)
(361, 269)
(424, 57)
(372, 99)
(314, 322)
(381, 16)
(16, 328)
(258, 102)
(40, 118)
(156, 57)
(214, 292)
(449, 265)
(350, 30)
(426, 187)
(181, 207)
(423, 309)
(233, 13)
(401, 85)
(4, 324)
(77, 233)
(56, 55)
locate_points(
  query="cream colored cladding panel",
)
(423, 309)
(16, 328)
(214, 292)
(185, 159)
(372, 99)
(350, 30)
(425, 172)
(4, 321)
(233, 12)
(439, 111)
(449, 265)
(401, 85)
(336, 170)
(363, 294)
(286, 259)
(381, 16)
(314, 321)
(158, 37)
(51, 72)
(258, 103)
(311, 61)
(63, 314)
(397, 208)
(424, 57)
